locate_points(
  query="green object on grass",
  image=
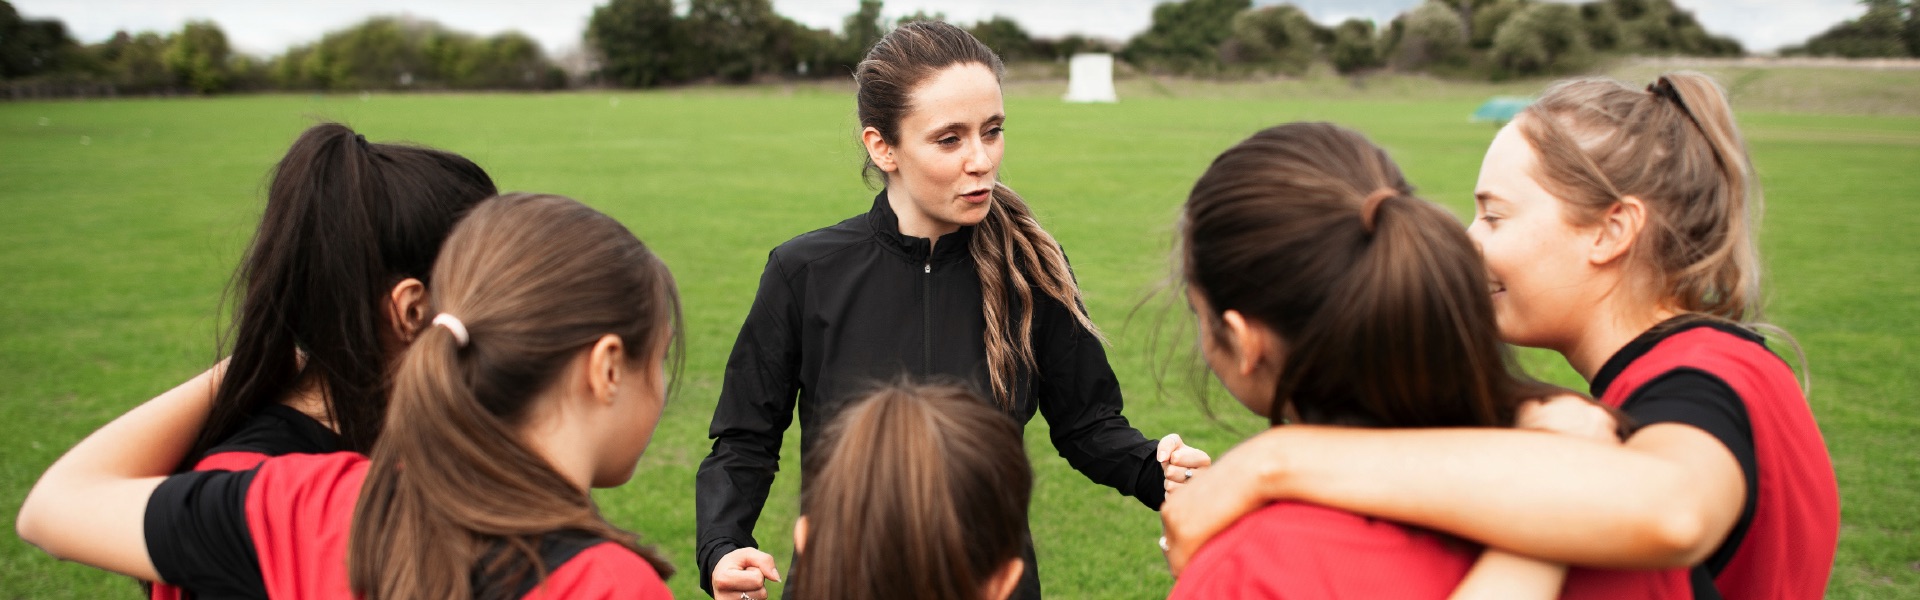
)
(1499, 109)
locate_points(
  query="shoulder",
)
(822, 243)
(1297, 550)
(604, 570)
(273, 431)
(294, 481)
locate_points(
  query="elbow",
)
(32, 522)
(1677, 538)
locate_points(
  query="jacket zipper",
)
(926, 320)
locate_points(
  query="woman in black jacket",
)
(948, 275)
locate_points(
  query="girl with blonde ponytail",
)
(541, 376)
(948, 274)
(1617, 225)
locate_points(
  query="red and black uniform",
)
(1299, 551)
(1722, 379)
(280, 531)
(276, 430)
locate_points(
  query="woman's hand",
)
(1214, 499)
(1180, 462)
(1569, 414)
(742, 575)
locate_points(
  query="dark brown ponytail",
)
(915, 492)
(1013, 254)
(533, 279)
(345, 220)
(1379, 296)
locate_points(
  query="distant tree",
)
(920, 15)
(1912, 29)
(864, 27)
(1431, 35)
(199, 58)
(31, 47)
(1488, 18)
(1006, 38)
(1602, 25)
(731, 39)
(1185, 34)
(638, 42)
(1881, 32)
(135, 63)
(1355, 48)
(1541, 38)
(1279, 37)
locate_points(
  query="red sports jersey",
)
(1297, 551)
(293, 515)
(275, 430)
(1788, 547)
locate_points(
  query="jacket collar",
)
(886, 229)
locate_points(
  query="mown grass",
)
(124, 219)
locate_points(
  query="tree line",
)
(1889, 29)
(647, 43)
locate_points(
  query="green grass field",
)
(123, 220)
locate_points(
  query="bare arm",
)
(1502, 575)
(1664, 499)
(90, 506)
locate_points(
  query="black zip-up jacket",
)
(843, 308)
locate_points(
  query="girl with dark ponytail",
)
(947, 275)
(1617, 223)
(1328, 294)
(541, 376)
(332, 287)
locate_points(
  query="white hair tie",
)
(453, 324)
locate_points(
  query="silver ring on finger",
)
(1189, 474)
(745, 596)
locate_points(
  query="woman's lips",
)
(976, 196)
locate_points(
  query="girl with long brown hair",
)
(1617, 225)
(925, 480)
(1328, 294)
(947, 275)
(541, 376)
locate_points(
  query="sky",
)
(268, 27)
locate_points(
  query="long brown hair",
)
(535, 279)
(916, 492)
(345, 220)
(1379, 296)
(1011, 252)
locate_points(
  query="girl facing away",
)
(1617, 226)
(541, 376)
(1327, 294)
(946, 275)
(333, 287)
(915, 492)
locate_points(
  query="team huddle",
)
(427, 377)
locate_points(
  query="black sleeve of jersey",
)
(1702, 400)
(197, 534)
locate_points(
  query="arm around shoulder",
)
(90, 505)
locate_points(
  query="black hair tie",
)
(363, 141)
(1663, 88)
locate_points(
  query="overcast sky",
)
(267, 27)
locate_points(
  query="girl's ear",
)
(1618, 230)
(606, 363)
(1000, 587)
(406, 307)
(1247, 341)
(800, 535)
(878, 150)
